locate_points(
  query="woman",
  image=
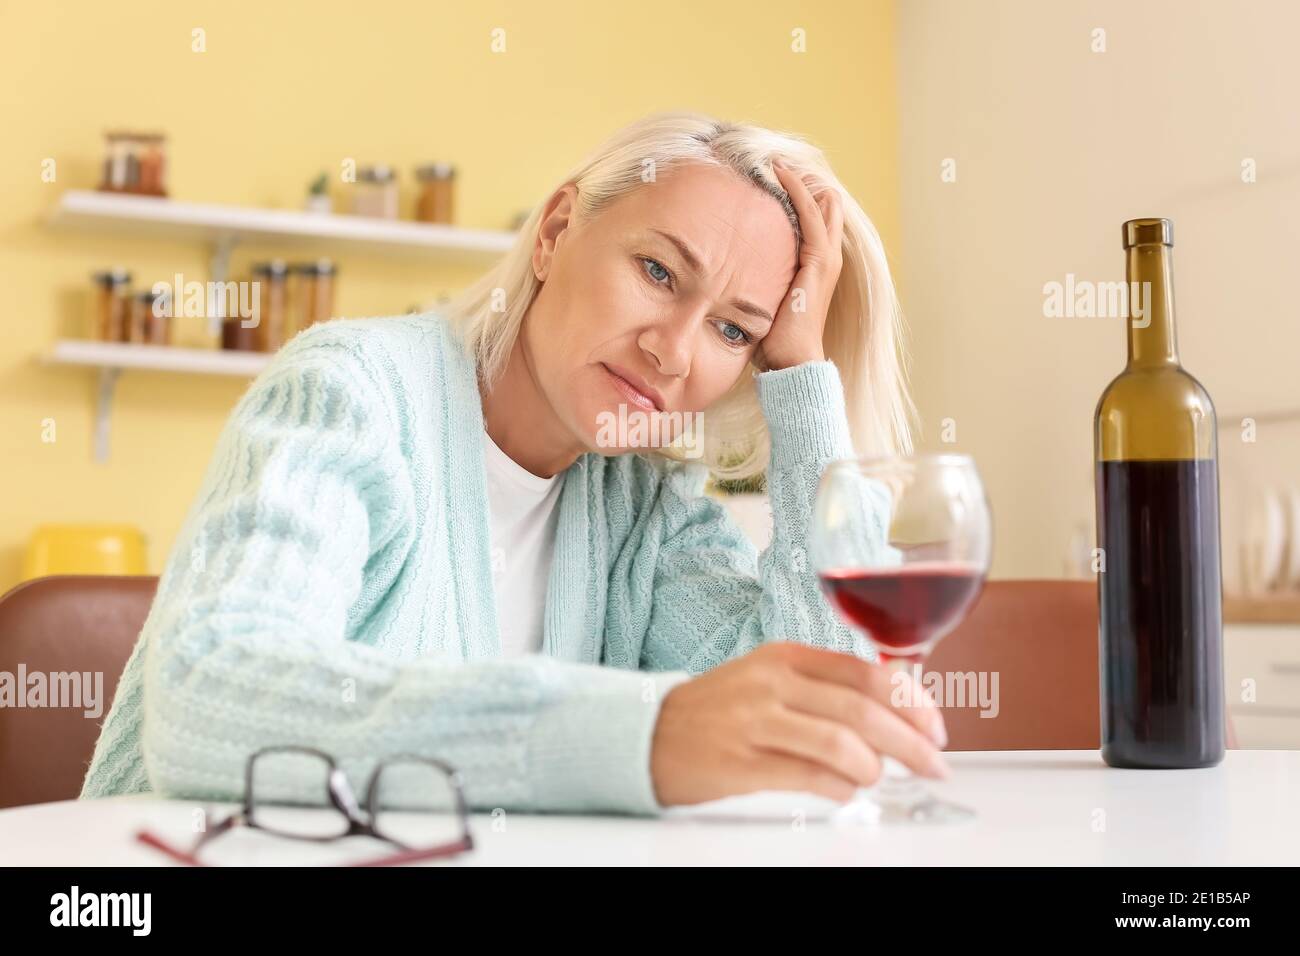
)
(334, 586)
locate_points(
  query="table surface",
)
(1033, 808)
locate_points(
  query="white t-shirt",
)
(523, 515)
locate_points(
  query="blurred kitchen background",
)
(997, 145)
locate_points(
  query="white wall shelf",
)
(157, 358)
(226, 226)
(112, 358)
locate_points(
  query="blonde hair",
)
(863, 334)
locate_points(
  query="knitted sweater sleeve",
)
(715, 597)
(249, 643)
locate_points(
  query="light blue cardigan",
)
(332, 587)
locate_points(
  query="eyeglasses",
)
(417, 804)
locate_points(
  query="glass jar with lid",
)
(376, 192)
(437, 187)
(313, 291)
(157, 319)
(112, 305)
(149, 324)
(273, 325)
(235, 335)
(152, 164)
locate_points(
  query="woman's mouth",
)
(633, 389)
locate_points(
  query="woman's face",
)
(657, 303)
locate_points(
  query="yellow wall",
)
(286, 90)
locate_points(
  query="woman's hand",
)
(796, 333)
(789, 717)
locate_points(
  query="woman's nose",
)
(670, 344)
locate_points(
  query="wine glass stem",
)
(897, 784)
(901, 693)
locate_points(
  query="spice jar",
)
(272, 279)
(314, 291)
(376, 192)
(157, 323)
(152, 165)
(116, 151)
(235, 335)
(437, 183)
(145, 327)
(112, 305)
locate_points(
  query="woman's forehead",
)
(723, 218)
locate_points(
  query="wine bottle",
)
(1158, 583)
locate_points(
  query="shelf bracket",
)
(104, 411)
(219, 265)
(219, 271)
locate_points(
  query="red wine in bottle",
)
(1157, 483)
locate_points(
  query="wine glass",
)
(901, 546)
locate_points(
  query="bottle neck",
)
(1151, 341)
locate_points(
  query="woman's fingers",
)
(834, 210)
(832, 745)
(919, 708)
(881, 726)
(778, 771)
(821, 218)
(811, 223)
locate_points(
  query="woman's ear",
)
(555, 219)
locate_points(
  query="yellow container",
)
(84, 549)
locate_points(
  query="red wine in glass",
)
(901, 546)
(904, 609)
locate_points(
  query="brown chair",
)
(1041, 637)
(63, 623)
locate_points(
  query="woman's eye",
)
(655, 270)
(733, 333)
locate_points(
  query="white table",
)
(1034, 807)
